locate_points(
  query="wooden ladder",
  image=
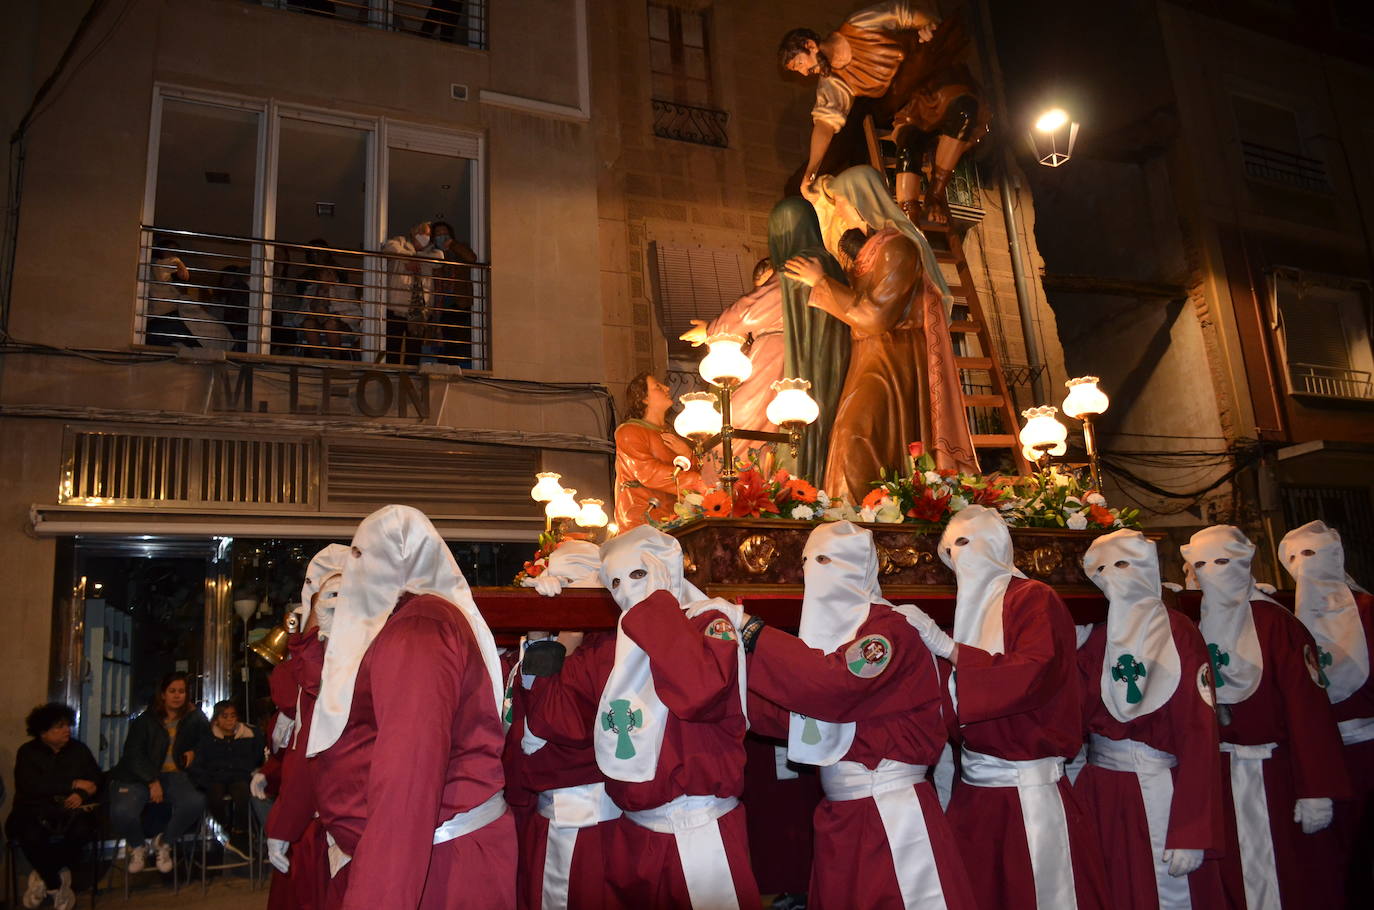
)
(983, 409)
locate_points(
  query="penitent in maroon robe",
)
(295, 685)
(696, 677)
(900, 714)
(1289, 709)
(422, 743)
(1185, 727)
(1021, 705)
(555, 765)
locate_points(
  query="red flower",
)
(874, 498)
(947, 472)
(750, 496)
(716, 504)
(532, 569)
(798, 489)
(1101, 516)
(781, 477)
(989, 495)
(929, 507)
(917, 449)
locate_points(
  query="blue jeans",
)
(127, 802)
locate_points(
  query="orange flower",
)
(916, 449)
(716, 504)
(874, 498)
(750, 495)
(1101, 516)
(781, 477)
(800, 490)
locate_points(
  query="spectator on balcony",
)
(231, 301)
(443, 18)
(411, 315)
(56, 780)
(334, 318)
(226, 758)
(174, 311)
(454, 290)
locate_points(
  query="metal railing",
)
(1278, 166)
(462, 22)
(256, 296)
(685, 123)
(1331, 382)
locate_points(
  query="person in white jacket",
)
(410, 312)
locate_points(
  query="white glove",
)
(1082, 633)
(1313, 814)
(281, 732)
(1173, 586)
(1265, 587)
(940, 644)
(258, 785)
(733, 612)
(276, 855)
(1182, 862)
(548, 584)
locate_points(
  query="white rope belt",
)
(990, 771)
(577, 807)
(692, 820)
(471, 820)
(1128, 755)
(1253, 836)
(846, 780)
(1356, 730)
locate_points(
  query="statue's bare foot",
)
(934, 214)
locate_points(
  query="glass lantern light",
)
(1043, 433)
(564, 505)
(698, 420)
(1085, 399)
(548, 486)
(725, 364)
(792, 404)
(1053, 137)
(592, 515)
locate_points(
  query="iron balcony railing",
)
(1278, 166)
(1331, 382)
(461, 22)
(690, 124)
(256, 296)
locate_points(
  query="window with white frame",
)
(461, 22)
(284, 230)
(1324, 329)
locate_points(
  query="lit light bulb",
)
(592, 515)
(1051, 120)
(564, 505)
(1042, 431)
(548, 486)
(698, 419)
(726, 363)
(1085, 399)
(792, 403)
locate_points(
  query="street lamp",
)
(1053, 137)
(1084, 402)
(1043, 435)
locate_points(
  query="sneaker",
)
(164, 855)
(138, 859)
(35, 891)
(64, 898)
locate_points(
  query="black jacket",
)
(225, 759)
(146, 747)
(43, 778)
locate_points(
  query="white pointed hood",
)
(1220, 557)
(1141, 666)
(840, 567)
(1313, 555)
(322, 577)
(983, 567)
(575, 563)
(395, 550)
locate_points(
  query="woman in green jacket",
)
(160, 747)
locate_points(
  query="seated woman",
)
(160, 747)
(225, 761)
(56, 780)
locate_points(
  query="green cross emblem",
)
(508, 716)
(1219, 659)
(622, 721)
(1128, 670)
(811, 733)
(1324, 659)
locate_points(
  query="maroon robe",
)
(900, 714)
(1338, 863)
(696, 677)
(1023, 704)
(422, 743)
(296, 682)
(1290, 709)
(1185, 727)
(778, 813)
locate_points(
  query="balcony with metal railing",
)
(1277, 166)
(255, 296)
(1331, 382)
(462, 22)
(700, 125)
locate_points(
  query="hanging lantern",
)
(726, 363)
(1053, 137)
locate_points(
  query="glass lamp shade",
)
(1085, 399)
(592, 515)
(1042, 431)
(725, 363)
(1033, 456)
(564, 505)
(548, 486)
(792, 403)
(699, 418)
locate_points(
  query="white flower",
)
(933, 478)
(803, 512)
(692, 498)
(867, 514)
(843, 511)
(1060, 479)
(957, 503)
(1078, 521)
(889, 512)
(1096, 499)
(822, 500)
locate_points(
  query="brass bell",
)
(272, 646)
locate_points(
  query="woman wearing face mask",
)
(160, 747)
(410, 293)
(1282, 750)
(292, 827)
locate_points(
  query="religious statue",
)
(902, 385)
(652, 463)
(907, 67)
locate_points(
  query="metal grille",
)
(1349, 510)
(685, 123)
(155, 467)
(451, 480)
(1331, 382)
(462, 22)
(1278, 166)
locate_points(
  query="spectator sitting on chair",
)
(225, 761)
(160, 747)
(56, 780)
